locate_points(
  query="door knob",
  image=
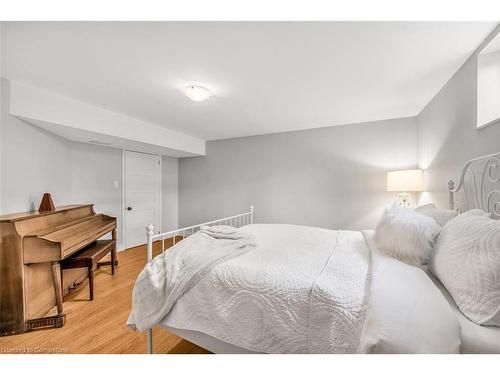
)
(129, 208)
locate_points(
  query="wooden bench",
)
(89, 257)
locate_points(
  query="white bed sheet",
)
(406, 312)
(208, 342)
(475, 338)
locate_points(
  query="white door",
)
(142, 196)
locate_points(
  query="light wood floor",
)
(98, 326)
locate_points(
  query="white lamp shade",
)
(407, 180)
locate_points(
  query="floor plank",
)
(98, 327)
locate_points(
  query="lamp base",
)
(404, 200)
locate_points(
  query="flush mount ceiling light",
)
(197, 93)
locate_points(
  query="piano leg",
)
(62, 280)
(56, 280)
(54, 321)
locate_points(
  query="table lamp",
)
(405, 182)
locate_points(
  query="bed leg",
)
(150, 341)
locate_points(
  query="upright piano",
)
(32, 245)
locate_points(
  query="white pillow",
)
(441, 216)
(467, 261)
(406, 235)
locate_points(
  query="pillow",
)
(440, 215)
(467, 261)
(406, 235)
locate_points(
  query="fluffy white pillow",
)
(406, 235)
(441, 216)
(467, 261)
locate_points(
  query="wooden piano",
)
(31, 247)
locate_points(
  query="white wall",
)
(332, 177)
(448, 135)
(78, 121)
(170, 193)
(488, 87)
(96, 177)
(33, 162)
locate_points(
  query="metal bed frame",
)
(235, 221)
(478, 187)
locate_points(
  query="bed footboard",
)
(168, 239)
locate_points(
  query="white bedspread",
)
(305, 289)
(169, 275)
(301, 290)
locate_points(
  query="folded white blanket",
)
(224, 232)
(171, 274)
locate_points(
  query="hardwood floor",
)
(95, 327)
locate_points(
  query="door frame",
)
(124, 200)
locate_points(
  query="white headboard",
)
(479, 186)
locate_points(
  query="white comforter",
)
(301, 290)
(311, 290)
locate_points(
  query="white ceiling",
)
(265, 77)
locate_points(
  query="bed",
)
(311, 290)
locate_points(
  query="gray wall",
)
(330, 177)
(96, 177)
(34, 161)
(448, 136)
(170, 193)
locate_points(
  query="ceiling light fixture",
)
(197, 93)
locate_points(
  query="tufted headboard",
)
(479, 186)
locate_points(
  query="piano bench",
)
(89, 257)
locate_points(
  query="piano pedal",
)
(71, 288)
(74, 286)
(55, 321)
